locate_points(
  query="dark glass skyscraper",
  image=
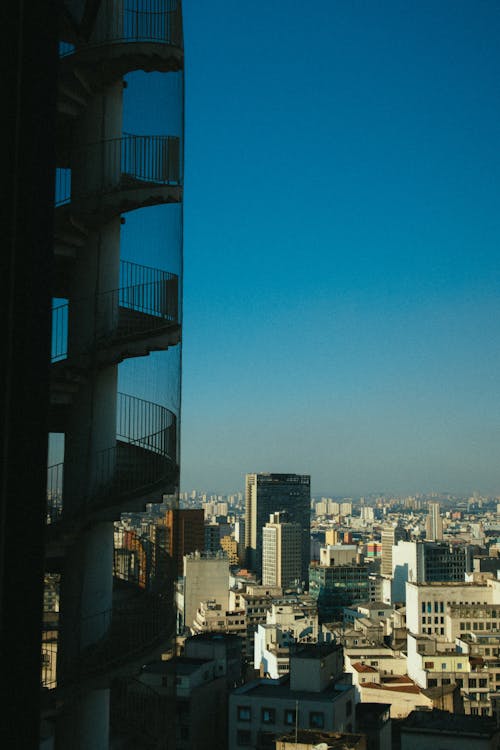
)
(271, 493)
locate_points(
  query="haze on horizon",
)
(342, 232)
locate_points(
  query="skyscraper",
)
(281, 551)
(434, 522)
(390, 536)
(270, 493)
(116, 331)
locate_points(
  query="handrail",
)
(132, 625)
(158, 21)
(119, 163)
(152, 304)
(143, 455)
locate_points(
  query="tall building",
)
(390, 536)
(428, 562)
(271, 493)
(206, 576)
(115, 355)
(281, 552)
(184, 533)
(433, 522)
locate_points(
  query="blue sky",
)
(342, 232)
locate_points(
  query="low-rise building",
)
(447, 731)
(315, 695)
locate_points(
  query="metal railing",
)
(143, 456)
(158, 21)
(120, 164)
(133, 624)
(146, 303)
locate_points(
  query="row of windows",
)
(478, 625)
(268, 716)
(437, 631)
(427, 607)
(436, 620)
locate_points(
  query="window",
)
(244, 713)
(243, 737)
(459, 682)
(483, 683)
(316, 720)
(429, 665)
(268, 715)
(432, 683)
(472, 683)
(484, 712)
(290, 717)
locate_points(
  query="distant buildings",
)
(271, 493)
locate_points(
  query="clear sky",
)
(342, 227)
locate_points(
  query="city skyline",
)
(341, 246)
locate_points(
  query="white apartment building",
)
(281, 552)
(427, 603)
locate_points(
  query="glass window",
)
(472, 683)
(316, 720)
(290, 716)
(483, 683)
(244, 713)
(268, 715)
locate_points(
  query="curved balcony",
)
(133, 35)
(105, 179)
(138, 626)
(141, 465)
(141, 713)
(140, 317)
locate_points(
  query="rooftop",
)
(363, 668)
(280, 688)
